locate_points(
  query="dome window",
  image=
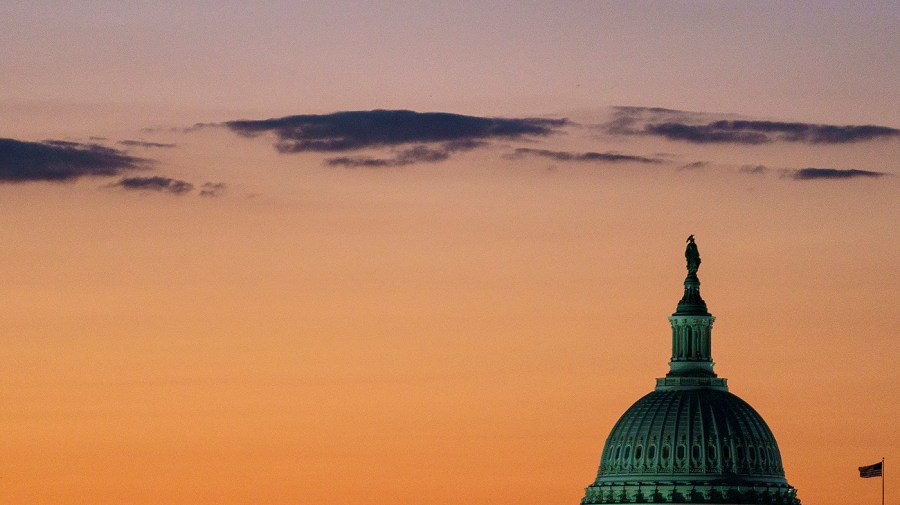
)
(627, 453)
(695, 452)
(711, 452)
(618, 452)
(665, 452)
(679, 452)
(651, 452)
(751, 454)
(637, 452)
(726, 453)
(740, 454)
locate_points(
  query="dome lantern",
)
(691, 364)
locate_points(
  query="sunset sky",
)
(391, 253)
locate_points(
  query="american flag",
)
(871, 470)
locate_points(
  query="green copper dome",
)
(690, 440)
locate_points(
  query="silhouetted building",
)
(690, 440)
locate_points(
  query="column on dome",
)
(691, 346)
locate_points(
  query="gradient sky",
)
(197, 310)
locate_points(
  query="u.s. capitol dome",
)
(691, 440)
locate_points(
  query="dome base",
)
(675, 383)
(656, 492)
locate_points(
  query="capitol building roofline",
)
(690, 440)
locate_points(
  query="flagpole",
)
(882, 481)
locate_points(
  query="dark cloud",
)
(806, 174)
(141, 143)
(156, 183)
(361, 162)
(700, 128)
(761, 132)
(809, 133)
(753, 169)
(607, 157)
(175, 129)
(629, 120)
(351, 130)
(704, 134)
(694, 165)
(416, 154)
(59, 160)
(636, 110)
(212, 189)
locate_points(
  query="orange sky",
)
(461, 332)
